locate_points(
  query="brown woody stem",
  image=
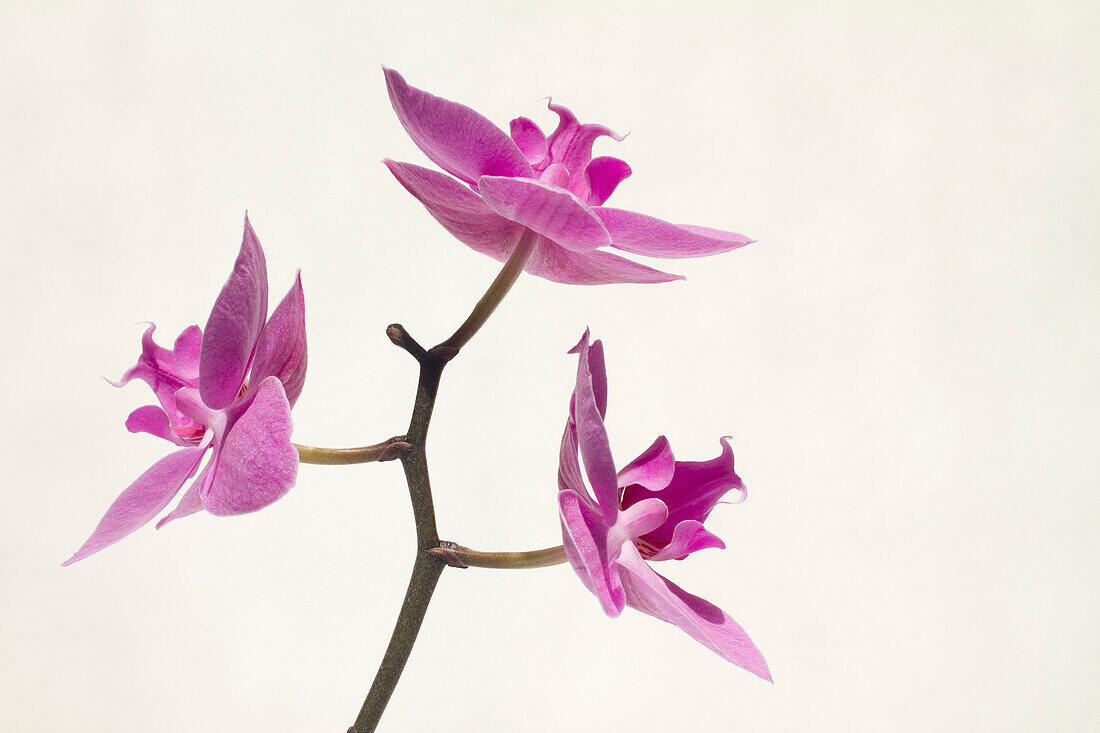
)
(427, 566)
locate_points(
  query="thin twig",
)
(387, 450)
(496, 292)
(458, 556)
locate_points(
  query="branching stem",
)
(427, 566)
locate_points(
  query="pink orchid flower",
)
(228, 390)
(503, 186)
(651, 510)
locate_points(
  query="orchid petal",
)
(186, 354)
(281, 349)
(234, 325)
(601, 177)
(461, 211)
(688, 537)
(646, 235)
(140, 501)
(695, 489)
(530, 139)
(154, 421)
(191, 502)
(190, 405)
(595, 267)
(256, 463)
(584, 537)
(569, 467)
(596, 367)
(556, 175)
(637, 520)
(651, 593)
(653, 469)
(592, 437)
(551, 211)
(453, 136)
(571, 143)
(157, 368)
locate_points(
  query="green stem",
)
(387, 450)
(513, 268)
(463, 557)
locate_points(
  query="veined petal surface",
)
(584, 537)
(530, 139)
(461, 211)
(592, 437)
(647, 235)
(256, 463)
(551, 211)
(712, 627)
(453, 136)
(234, 325)
(595, 267)
(141, 501)
(281, 349)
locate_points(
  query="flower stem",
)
(427, 566)
(387, 450)
(463, 557)
(496, 292)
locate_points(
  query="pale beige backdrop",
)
(907, 363)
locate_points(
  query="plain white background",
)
(907, 363)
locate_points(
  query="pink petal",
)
(234, 325)
(598, 370)
(157, 367)
(595, 267)
(653, 594)
(529, 139)
(571, 143)
(645, 235)
(453, 136)
(140, 501)
(186, 353)
(256, 463)
(467, 217)
(695, 489)
(548, 210)
(569, 467)
(689, 536)
(597, 367)
(461, 211)
(653, 469)
(191, 501)
(153, 420)
(634, 521)
(584, 537)
(190, 405)
(557, 175)
(281, 349)
(592, 437)
(601, 177)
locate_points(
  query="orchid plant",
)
(536, 203)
